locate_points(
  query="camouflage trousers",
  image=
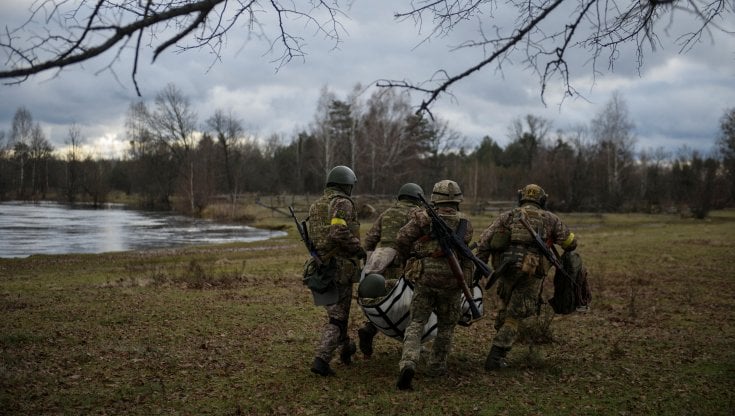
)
(334, 333)
(518, 294)
(445, 304)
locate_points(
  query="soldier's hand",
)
(362, 254)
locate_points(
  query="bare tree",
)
(389, 149)
(613, 131)
(173, 124)
(173, 121)
(227, 130)
(39, 152)
(74, 157)
(138, 132)
(58, 33)
(321, 129)
(545, 34)
(153, 170)
(20, 141)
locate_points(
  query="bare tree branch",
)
(74, 33)
(545, 35)
(545, 32)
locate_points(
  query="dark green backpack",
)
(569, 295)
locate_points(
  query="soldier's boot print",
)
(366, 335)
(321, 367)
(496, 358)
(348, 350)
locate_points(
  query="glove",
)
(361, 254)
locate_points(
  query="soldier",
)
(381, 240)
(436, 287)
(521, 265)
(335, 231)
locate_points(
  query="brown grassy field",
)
(230, 330)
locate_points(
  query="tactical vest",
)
(320, 223)
(393, 219)
(523, 253)
(435, 270)
(519, 234)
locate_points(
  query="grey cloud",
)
(377, 47)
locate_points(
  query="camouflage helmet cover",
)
(372, 286)
(410, 190)
(341, 175)
(446, 191)
(532, 193)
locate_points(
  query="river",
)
(51, 228)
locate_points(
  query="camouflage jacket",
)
(385, 228)
(333, 225)
(506, 233)
(427, 264)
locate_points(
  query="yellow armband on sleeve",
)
(568, 241)
(338, 221)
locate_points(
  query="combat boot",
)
(321, 367)
(366, 335)
(496, 358)
(404, 380)
(348, 350)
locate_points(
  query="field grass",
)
(230, 329)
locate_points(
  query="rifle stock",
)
(449, 241)
(304, 233)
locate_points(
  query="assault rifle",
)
(304, 233)
(549, 253)
(450, 242)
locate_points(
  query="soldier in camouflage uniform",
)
(382, 235)
(335, 231)
(521, 264)
(436, 287)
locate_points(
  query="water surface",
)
(50, 228)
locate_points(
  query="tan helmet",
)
(532, 193)
(446, 191)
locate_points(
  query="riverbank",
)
(230, 329)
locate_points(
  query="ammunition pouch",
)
(530, 264)
(319, 278)
(347, 270)
(526, 260)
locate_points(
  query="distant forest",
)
(176, 161)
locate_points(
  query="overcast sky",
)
(676, 100)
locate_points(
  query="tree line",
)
(176, 161)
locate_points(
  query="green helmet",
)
(532, 193)
(410, 190)
(341, 175)
(372, 286)
(446, 191)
